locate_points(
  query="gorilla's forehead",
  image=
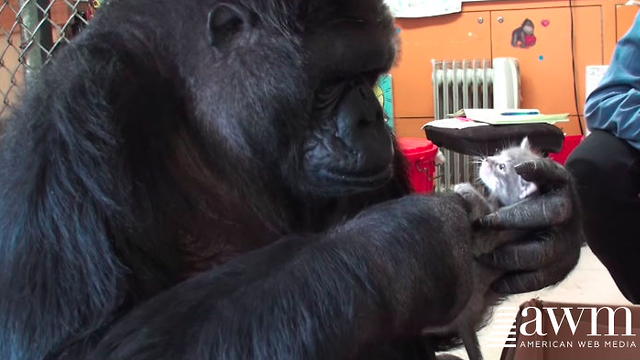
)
(344, 46)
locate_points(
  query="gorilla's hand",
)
(551, 246)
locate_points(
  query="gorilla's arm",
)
(65, 199)
(311, 297)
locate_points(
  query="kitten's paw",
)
(478, 206)
(465, 189)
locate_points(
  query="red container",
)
(421, 155)
(570, 143)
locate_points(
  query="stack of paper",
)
(510, 116)
(455, 123)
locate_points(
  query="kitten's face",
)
(499, 175)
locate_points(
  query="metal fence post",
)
(33, 58)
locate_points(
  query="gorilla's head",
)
(289, 85)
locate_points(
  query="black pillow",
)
(487, 140)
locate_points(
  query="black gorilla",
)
(198, 179)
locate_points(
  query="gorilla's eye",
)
(372, 77)
(329, 93)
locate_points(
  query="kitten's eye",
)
(501, 167)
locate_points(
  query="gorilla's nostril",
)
(363, 122)
(379, 115)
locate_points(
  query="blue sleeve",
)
(615, 104)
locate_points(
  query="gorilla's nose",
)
(358, 114)
(361, 127)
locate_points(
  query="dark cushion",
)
(487, 140)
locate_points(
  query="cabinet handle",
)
(500, 19)
(480, 20)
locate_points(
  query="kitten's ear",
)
(527, 188)
(525, 143)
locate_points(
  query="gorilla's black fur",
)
(198, 179)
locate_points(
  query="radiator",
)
(459, 84)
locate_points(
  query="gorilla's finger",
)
(521, 256)
(540, 250)
(543, 211)
(543, 172)
(531, 281)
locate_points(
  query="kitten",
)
(498, 174)
(505, 188)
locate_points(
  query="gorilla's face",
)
(306, 104)
(349, 147)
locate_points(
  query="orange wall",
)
(483, 30)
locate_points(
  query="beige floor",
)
(589, 283)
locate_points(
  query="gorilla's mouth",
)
(335, 168)
(361, 180)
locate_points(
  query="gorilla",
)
(213, 179)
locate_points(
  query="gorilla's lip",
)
(359, 180)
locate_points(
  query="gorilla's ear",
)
(225, 22)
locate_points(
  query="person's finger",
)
(541, 211)
(543, 172)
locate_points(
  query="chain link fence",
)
(30, 33)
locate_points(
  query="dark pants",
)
(607, 173)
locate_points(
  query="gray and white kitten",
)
(506, 188)
(498, 174)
